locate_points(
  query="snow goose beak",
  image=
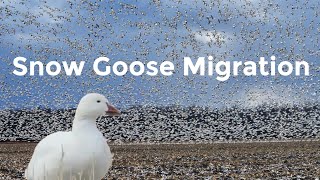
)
(112, 111)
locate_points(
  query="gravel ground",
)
(266, 160)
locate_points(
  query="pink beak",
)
(112, 111)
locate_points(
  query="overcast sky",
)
(158, 30)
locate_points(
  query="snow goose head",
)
(93, 105)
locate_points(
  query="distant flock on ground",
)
(173, 124)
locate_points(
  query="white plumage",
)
(81, 154)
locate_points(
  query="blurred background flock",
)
(161, 108)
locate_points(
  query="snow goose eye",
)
(98, 101)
